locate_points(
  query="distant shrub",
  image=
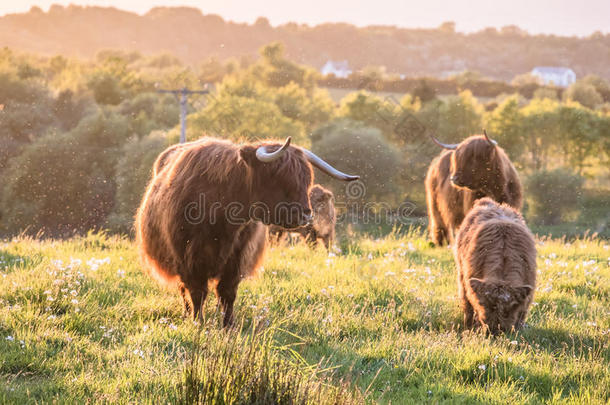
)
(64, 184)
(106, 88)
(357, 149)
(553, 195)
(585, 93)
(133, 172)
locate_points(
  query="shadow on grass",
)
(560, 341)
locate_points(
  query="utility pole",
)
(183, 93)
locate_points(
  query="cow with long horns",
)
(463, 173)
(202, 217)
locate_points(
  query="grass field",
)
(377, 322)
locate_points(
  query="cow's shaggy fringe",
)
(236, 368)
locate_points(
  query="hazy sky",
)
(563, 17)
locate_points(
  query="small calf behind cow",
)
(495, 254)
(323, 223)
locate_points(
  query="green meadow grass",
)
(377, 322)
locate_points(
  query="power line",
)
(183, 93)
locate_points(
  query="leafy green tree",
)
(277, 71)
(540, 128)
(294, 103)
(552, 195)
(459, 117)
(355, 148)
(106, 88)
(546, 92)
(150, 111)
(578, 134)
(505, 125)
(62, 184)
(584, 93)
(133, 172)
(424, 92)
(602, 86)
(370, 110)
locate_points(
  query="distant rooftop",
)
(552, 69)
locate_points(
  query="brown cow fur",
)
(481, 169)
(190, 228)
(324, 219)
(495, 254)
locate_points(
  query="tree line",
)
(497, 53)
(78, 138)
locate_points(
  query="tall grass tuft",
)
(231, 367)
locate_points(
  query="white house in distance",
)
(559, 76)
(338, 68)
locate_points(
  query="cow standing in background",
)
(323, 223)
(201, 218)
(475, 168)
(495, 254)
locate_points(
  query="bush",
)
(553, 195)
(64, 184)
(585, 93)
(133, 171)
(356, 149)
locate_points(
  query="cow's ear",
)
(522, 292)
(248, 154)
(477, 285)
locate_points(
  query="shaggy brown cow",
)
(495, 254)
(170, 152)
(201, 219)
(466, 172)
(323, 224)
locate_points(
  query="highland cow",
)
(323, 223)
(165, 156)
(466, 172)
(495, 254)
(202, 219)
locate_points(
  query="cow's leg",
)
(464, 303)
(198, 293)
(436, 227)
(227, 292)
(244, 258)
(327, 242)
(312, 237)
(186, 300)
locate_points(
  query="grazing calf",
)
(204, 213)
(464, 173)
(324, 219)
(495, 254)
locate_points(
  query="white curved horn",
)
(326, 168)
(450, 146)
(264, 156)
